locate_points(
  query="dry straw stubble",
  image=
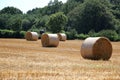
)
(96, 48)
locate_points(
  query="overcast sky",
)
(25, 5)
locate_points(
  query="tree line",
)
(77, 18)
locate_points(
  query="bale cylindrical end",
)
(31, 36)
(62, 36)
(96, 48)
(49, 40)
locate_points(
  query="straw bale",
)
(49, 40)
(62, 36)
(31, 36)
(96, 48)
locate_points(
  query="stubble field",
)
(28, 60)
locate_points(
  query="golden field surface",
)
(28, 60)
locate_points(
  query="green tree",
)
(28, 21)
(40, 23)
(117, 2)
(92, 15)
(10, 10)
(69, 5)
(15, 23)
(54, 6)
(116, 8)
(57, 22)
(25, 24)
(4, 20)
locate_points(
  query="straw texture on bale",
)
(31, 36)
(62, 36)
(96, 48)
(49, 40)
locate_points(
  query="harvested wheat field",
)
(28, 60)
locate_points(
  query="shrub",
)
(22, 34)
(119, 38)
(72, 34)
(11, 34)
(82, 36)
(92, 33)
(6, 33)
(111, 34)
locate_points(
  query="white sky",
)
(25, 5)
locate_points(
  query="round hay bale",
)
(62, 36)
(49, 40)
(31, 36)
(96, 48)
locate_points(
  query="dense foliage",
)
(79, 19)
(57, 22)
